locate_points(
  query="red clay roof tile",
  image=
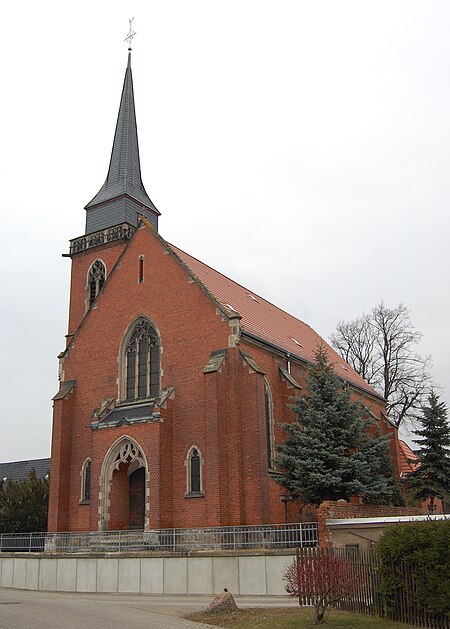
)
(261, 318)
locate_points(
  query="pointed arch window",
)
(142, 362)
(194, 473)
(270, 438)
(86, 482)
(96, 279)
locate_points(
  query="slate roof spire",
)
(123, 196)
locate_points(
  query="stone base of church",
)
(255, 573)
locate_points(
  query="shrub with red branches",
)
(322, 577)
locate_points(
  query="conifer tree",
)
(24, 504)
(329, 453)
(431, 478)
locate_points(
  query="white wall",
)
(250, 574)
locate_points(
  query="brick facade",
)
(221, 389)
(221, 412)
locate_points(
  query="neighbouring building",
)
(409, 461)
(19, 470)
(174, 380)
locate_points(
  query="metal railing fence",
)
(180, 541)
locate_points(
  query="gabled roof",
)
(262, 320)
(407, 458)
(124, 174)
(18, 470)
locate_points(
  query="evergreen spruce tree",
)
(329, 453)
(431, 478)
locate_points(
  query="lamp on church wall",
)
(285, 498)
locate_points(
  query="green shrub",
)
(416, 560)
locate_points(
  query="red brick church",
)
(175, 379)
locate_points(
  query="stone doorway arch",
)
(120, 471)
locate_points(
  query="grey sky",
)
(302, 148)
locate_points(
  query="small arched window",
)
(194, 475)
(142, 362)
(270, 438)
(86, 481)
(96, 279)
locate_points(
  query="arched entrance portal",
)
(136, 499)
(123, 495)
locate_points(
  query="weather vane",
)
(131, 33)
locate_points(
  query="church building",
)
(175, 379)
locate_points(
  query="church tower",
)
(113, 214)
(122, 198)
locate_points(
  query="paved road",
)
(23, 609)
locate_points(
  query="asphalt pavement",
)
(25, 609)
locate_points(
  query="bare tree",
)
(322, 576)
(381, 347)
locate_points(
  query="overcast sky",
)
(302, 148)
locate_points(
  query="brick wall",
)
(330, 510)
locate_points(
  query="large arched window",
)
(95, 280)
(142, 362)
(194, 476)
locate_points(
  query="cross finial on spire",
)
(131, 33)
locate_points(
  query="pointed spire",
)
(122, 197)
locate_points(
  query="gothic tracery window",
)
(96, 279)
(142, 362)
(194, 472)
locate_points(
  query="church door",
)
(136, 504)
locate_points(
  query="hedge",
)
(416, 559)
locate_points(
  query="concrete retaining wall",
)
(259, 574)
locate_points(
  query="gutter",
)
(289, 355)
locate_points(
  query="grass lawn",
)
(288, 618)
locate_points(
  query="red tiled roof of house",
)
(406, 456)
(264, 320)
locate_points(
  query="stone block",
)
(252, 575)
(7, 572)
(152, 575)
(175, 575)
(47, 575)
(66, 575)
(86, 575)
(226, 574)
(107, 575)
(20, 568)
(275, 567)
(32, 574)
(200, 575)
(129, 575)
